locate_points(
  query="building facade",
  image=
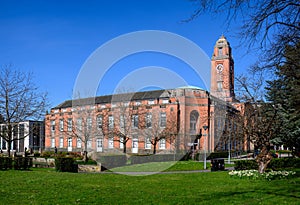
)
(159, 121)
(27, 135)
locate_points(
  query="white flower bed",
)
(254, 174)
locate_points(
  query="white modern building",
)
(28, 135)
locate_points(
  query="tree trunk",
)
(85, 157)
(263, 159)
(124, 147)
(9, 147)
(85, 153)
(154, 148)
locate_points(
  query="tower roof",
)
(222, 41)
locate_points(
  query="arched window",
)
(193, 120)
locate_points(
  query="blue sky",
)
(53, 39)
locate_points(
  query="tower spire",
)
(222, 71)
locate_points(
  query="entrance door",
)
(135, 147)
(69, 144)
(99, 145)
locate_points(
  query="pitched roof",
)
(114, 98)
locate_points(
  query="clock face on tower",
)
(219, 68)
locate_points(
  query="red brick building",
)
(159, 121)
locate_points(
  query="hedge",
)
(288, 162)
(66, 164)
(22, 163)
(275, 164)
(245, 164)
(6, 163)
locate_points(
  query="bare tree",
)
(160, 127)
(20, 100)
(82, 127)
(272, 24)
(259, 119)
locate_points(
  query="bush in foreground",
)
(275, 164)
(66, 164)
(254, 174)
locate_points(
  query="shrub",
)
(5, 163)
(245, 165)
(37, 154)
(66, 164)
(48, 154)
(75, 155)
(22, 163)
(275, 164)
(89, 162)
(253, 174)
(280, 163)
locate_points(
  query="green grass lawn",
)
(165, 167)
(46, 186)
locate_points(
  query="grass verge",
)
(45, 186)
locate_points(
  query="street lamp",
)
(205, 127)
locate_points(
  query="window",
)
(53, 142)
(110, 122)
(220, 53)
(150, 102)
(70, 142)
(52, 126)
(99, 121)
(61, 125)
(149, 120)
(21, 131)
(220, 86)
(162, 143)
(111, 143)
(89, 123)
(193, 120)
(89, 144)
(79, 124)
(122, 121)
(79, 143)
(121, 142)
(61, 142)
(165, 101)
(99, 143)
(135, 121)
(137, 103)
(69, 124)
(147, 143)
(3, 144)
(163, 119)
(15, 131)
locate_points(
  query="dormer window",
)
(150, 102)
(165, 101)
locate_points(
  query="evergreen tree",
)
(285, 92)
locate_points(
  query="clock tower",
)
(222, 71)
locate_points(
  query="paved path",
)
(171, 172)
